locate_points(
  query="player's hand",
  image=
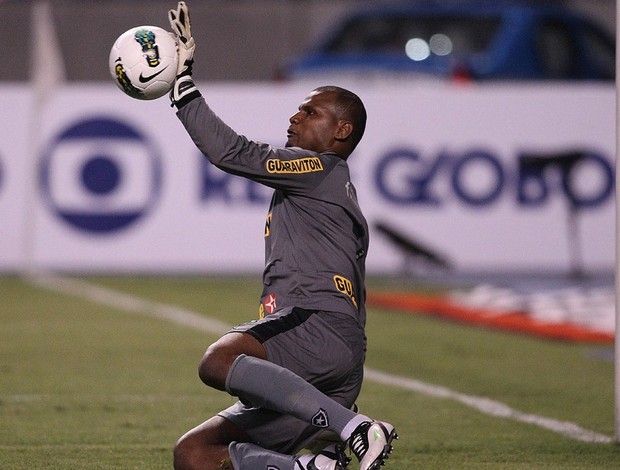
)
(179, 22)
(181, 28)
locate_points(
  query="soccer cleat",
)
(330, 458)
(371, 442)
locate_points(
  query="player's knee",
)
(183, 454)
(220, 356)
(213, 367)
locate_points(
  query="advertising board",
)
(494, 177)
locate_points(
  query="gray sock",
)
(246, 456)
(271, 386)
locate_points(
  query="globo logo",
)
(478, 177)
(101, 175)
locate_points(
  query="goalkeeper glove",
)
(183, 90)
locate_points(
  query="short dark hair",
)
(349, 107)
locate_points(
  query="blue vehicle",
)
(463, 40)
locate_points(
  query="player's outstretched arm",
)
(184, 89)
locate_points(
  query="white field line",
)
(136, 305)
(489, 407)
(129, 303)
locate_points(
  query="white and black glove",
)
(184, 89)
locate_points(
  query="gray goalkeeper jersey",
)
(316, 236)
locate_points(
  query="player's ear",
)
(345, 128)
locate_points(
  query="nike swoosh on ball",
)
(144, 79)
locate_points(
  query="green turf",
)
(85, 386)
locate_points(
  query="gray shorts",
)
(326, 349)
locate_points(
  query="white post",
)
(47, 72)
(617, 329)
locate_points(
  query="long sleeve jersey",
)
(316, 237)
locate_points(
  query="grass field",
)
(88, 386)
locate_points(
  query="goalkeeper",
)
(298, 370)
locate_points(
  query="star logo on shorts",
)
(270, 303)
(320, 419)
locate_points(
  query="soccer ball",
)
(143, 62)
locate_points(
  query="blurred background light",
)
(440, 44)
(417, 49)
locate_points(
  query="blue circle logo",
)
(101, 175)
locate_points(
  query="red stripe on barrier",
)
(518, 322)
